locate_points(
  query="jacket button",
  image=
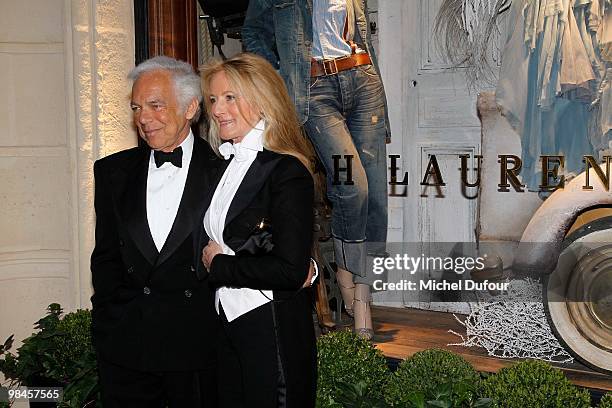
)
(130, 269)
(146, 290)
(188, 293)
(192, 268)
(121, 243)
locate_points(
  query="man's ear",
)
(192, 108)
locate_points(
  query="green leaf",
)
(8, 343)
(417, 399)
(438, 404)
(483, 403)
(443, 390)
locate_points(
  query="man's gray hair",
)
(187, 83)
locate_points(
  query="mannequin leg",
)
(363, 313)
(353, 126)
(347, 289)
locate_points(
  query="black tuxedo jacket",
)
(150, 311)
(274, 199)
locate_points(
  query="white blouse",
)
(235, 301)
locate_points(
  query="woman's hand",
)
(311, 274)
(208, 253)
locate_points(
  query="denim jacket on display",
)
(292, 42)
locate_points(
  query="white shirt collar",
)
(252, 142)
(187, 144)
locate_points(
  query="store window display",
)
(324, 53)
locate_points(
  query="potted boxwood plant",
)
(59, 354)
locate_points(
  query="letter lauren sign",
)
(509, 170)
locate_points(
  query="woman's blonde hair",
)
(255, 80)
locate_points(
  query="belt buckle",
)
(330, 71)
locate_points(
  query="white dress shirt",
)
(235, 301)
(329, 18)
(165, 187)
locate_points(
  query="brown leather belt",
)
(331, 67)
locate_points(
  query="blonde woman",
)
(257, 236)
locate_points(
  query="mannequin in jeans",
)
(323, 51)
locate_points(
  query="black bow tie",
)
(175, 157)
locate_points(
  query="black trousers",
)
(250, 365)
(123, 387)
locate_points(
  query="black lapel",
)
(130, 196)
(203, 170)
(253, 181)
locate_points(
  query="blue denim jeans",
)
(347, 117)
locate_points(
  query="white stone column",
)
(64, 102)
(101, 53)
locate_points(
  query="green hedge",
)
(350, 368)
(606, 401)
(533, 384)
(60, 354)
(72, 342)
(352, 373)
(434, 377)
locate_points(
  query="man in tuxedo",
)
(154, 326)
